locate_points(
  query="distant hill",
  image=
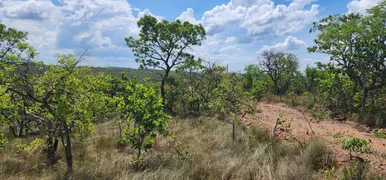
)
(117, 71)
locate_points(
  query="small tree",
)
(164, 44)
(228, 99)
(145, 115)
(354, 144)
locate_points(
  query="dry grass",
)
(209, 153)
(271, 98)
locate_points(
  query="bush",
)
(357, 171)
(354, 144)
(379, 133)
(318, 156)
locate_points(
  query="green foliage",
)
(352, 40)
(357, 171)
(336, 135)
(318, 115)
(3, 141)
(165, 45)
(354, 145)
(336, 91)
(179, 147)
(256, 83)
(329, 174)
(379, 133)
(29, 147)
(281, 68)
(144, 112)
(284, 123)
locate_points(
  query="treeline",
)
(57, 104)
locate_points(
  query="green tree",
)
(145, 116)
(312, 75)
(64, 101)
(15, 58)
(165, 45)
(336, 91)
(356, 43)
(278, 65)
(354, 144)
(255, 81)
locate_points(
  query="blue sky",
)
(237, 29)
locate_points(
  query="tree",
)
(255, 81)
(354, 144)
(64, 102)
(15, 57)
(145, 116)
(276, 65)
(357, 44)
(312, 80)
(164, 44)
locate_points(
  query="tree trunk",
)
(274, 128)
(163, 82)
(314, 92)
(364, 92)
(234, 130)
(52, 143)
(163, 90)
(139, 141)
(120, 130)
(66, 141)
(51, 149)
(21, 124)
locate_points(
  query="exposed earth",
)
(331, 131)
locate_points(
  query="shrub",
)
(318, 156)
(354, 144)
(379, 133)
(3, 141)
(357, 171)
(318, 115)
(284, 123)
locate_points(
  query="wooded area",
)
(45, 107)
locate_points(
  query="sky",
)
(237, 30)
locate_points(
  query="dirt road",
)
(329, 130)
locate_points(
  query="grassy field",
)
(200, 149)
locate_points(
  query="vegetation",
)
(77, 122)
(164, 45)
(354, 145)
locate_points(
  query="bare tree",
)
(276, 65)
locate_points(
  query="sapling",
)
(354, 144)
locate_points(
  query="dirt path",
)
(329, 130)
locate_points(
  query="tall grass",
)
(210, 153)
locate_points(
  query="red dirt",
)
(300, 130)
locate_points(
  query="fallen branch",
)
(309, 124)
(274, 128)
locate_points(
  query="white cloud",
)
(188, 15)
(75, 25)
(360, 6)
(290, 44)
(233, 28)
(229, 48)
(231, 39)
(260, 17)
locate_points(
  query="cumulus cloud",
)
(74, 25)
(360, 6)
(260, 17)
(231, 39)
(290, 44)
(229, 48)
(188, 15)
(101, 26)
